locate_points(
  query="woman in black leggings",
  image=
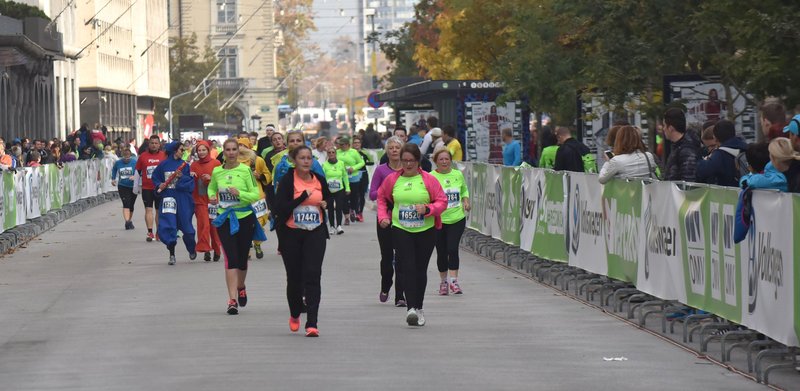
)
(453, 221)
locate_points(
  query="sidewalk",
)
(90, 306)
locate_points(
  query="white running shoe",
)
(332, 231)
(420, 318)
(339, 230)
(412, 318)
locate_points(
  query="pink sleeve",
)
(438, 198)
(383, 206)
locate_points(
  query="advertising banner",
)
(548, 240)
(510, 212)
(9, 201)
(532, 198)
(622, 210)
(32, 183)
(485, 123)
(19, 194)
(493, 202)
(585, 224)
(478, 192)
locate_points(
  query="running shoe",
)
(171, 260)
(128, 225)
(443, 288)
(383, 297)
(420, 318)
(131, 224)
(339, 230)
(400, 303)
(207, 257)
(312, 332)
(353, 217)
(411, 317)
(233, 308)
(332, 231)
(346, 220)
(259, 252)
(242, 296)
(193, 256)
(150, 236)
(455, 288)
(294, 324)
(360, 217)
(216, 257)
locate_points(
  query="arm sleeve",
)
(608, 171)
(558, 162)
(212, 186)
(114, 170)
(689, 166)
(158, 176)
(374, 185)
(383, 206)
(250, 193)
(344, 178)
(426, 142)
(705, 168)
(359, 162)
(185, 182)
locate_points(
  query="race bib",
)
(125, 173)
(409, 218)
(213, 211)
(334, 185)
(307, 217)
(167, 174)
(260, 207)
(227, 200)
(453, 197)
(169, 205)
(150, 170)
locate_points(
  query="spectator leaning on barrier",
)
(569, 156)
(793, 173)
(512, 149)
(773, 120)
(685, 150)
(6, 161)
(631, 159)
(719, 167)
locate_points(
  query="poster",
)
(585, 224)
(599, 117)
(418, 118)
(485, 123)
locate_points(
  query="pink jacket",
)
(438, 198)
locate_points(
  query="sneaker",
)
(411, 317)
(216, 257)
(259, 252)
(339, 230)
(233, 308)
(131, 224)
(360, 217)
(353, 217)
(128, 225)
(150, 237)
(420, 318)
(171, 260)
(193, 256)
(312, 332)
(346, 220)
(400, 303)
(443, 289)
(242, 296)
(331, 231)
(455, 288)
(207, 257)
(294, 324)
(383, 297)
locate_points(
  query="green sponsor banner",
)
(549, 242)
(478, 198)
(9, 201)
(693, 219)
(510, 220)
(622, 211)
(63, 183)
(796, 264)
(724, 285)
(56, 193)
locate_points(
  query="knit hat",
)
(436, 132)
(172, 147)
(245, 142)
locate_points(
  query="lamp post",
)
(171, 131)
(370, 13)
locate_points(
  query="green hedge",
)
(20, 11)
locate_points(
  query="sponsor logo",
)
(575, 235)
(765, 265)
(660, 239)
(622, 230)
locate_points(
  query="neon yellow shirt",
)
(455, 187)
(407, 192)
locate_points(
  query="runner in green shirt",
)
(336, 175)
(454, 221)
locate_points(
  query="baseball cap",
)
(343, 140)
(794, 126)
(436, 132)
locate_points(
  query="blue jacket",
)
(283, 167)
(720, 167)
(125, 171)
(512, 154)
(181, 188)
(770, 179)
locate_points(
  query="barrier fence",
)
(33, 191)
(671, 240)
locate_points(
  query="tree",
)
(293, 21)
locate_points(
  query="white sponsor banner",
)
(494, 201)
(32, 184)
(767, 277)
(532, 196)
(660, 270)
(19, 192)
(585, 224)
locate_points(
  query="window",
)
(226, 11)
(229, 67)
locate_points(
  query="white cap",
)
(436, 132)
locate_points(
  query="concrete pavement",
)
(89, 306)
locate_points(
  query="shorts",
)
(148, 197)
(127, 197)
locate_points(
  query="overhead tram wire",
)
(107, 28)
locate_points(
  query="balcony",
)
(231, 85)
(225, 29)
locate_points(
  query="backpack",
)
(589, 163)
(742, 166)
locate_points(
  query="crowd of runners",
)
(245, 188)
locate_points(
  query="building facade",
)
(382, 16)
(242, 34)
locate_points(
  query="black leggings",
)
(362, 200)
(302, 253)
(336, 207)
(447, 240)
(352, 199)
(127, 196)
(387, 264)
(237, 246)
(413, 256)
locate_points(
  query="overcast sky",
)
(332, 24)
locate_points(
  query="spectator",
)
(417, 135)
(549, 148)
(55, 152)
(684, 150)
(67, 154)
(401, 133)
(320, 151)
(436, 139)
(569, 156)
(719, 167)
(631, 159)
(372, 140)
(33, 159)
(6, 161)
(97, 135)
(108, 151)
(709, 141)
(39, 147)
(83, 137)
(793, 173)
(773, 120)
(451, 143)
(427, 142)
(266, 141)
(512, 149)
(16, 154)
(758, 158)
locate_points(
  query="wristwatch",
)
(427, 211)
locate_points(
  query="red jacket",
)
(438, 198)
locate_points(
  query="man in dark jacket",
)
(266, 141)
(372, 140)
(685, 151)
(570, 153)
(719, 168)
(792, 130)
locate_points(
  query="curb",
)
(15, 237)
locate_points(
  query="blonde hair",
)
(781, 151)
(439, 151)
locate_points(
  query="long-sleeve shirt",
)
(336, 175)
(240, 178)
(512, 154)
(381, 172)
(351, 159)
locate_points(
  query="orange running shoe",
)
(312, 332)
(294, 324)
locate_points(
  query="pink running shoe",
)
(443, 288)
(455, 288)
